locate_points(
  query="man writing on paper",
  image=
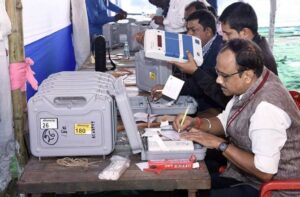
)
(261, 123)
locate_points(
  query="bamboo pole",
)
(16, 54)
(273, 7)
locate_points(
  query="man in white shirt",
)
(174, 20)
(261, 124)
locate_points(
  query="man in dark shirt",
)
(239, 20)
(202, 24)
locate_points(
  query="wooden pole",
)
(273, 7)
(16, 54)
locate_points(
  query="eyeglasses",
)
(194, 30)
(226, 76)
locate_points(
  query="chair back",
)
(296, 97)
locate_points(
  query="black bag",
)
(100, 54)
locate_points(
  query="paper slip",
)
(141, 116)
(173, 87)
(149, 132)
(170, 134)
(142, 165)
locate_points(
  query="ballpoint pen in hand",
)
(183, 118)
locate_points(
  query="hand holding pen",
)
(183, 118)
(180, 123)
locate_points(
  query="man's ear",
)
(246, 33)
(248, 75)
(209, 32)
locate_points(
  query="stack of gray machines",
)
(74, 114)
(116, 33)
(67, 115)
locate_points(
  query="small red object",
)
(157, 166)
(296, 97)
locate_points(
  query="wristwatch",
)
(223, 146)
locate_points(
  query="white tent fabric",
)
(81, 38)
(7, 145)
(57, 14)
(43, 17)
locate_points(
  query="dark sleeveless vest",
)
(272, 91)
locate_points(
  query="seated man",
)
(238, 21)
(202, 24)
(261, 123)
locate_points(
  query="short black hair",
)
(240, 15)
(248, 55)
(213, 11)
(205, 18)
(198, 5)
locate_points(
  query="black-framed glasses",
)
(226, 76)
(194, 30)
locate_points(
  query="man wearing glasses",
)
(238, 20)
(261, 123)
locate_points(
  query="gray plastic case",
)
(63, 139)
(137, 144)
(150, 72)
(161, 107)
(111, 35)
(116, 33)
(59, 111)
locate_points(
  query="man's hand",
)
(187, 124)
(189, 67)
(139, 37)
(206, 139)
(124, 13)
(156, 92)
(118, 16)
(158, 20)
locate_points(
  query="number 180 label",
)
(83, 129)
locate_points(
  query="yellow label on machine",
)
(152, 76)
(83, 129)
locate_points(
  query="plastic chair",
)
(289, 184)
(296, 97)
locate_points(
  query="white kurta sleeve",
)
(267, 132)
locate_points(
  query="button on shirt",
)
(267, 133)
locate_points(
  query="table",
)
(46, 176)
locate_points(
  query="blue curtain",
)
(51, 54)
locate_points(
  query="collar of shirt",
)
(207, 46)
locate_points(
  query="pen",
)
(184, 117)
